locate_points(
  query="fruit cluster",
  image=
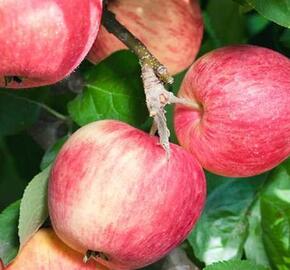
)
(112, 189)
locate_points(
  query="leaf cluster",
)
(246, 222)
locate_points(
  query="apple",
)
(42, 41)
(44, 251)
(171, 29)
(240, 125)
(113, 190)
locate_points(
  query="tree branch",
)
(154, 76)
(157, 97)
(135, 45)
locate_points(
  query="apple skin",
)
(242, 126)
(112, 190)
(42, 41)
(44, 251)
(171, 29)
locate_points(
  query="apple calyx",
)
(157, 97)
(90, 254)
(9, 79)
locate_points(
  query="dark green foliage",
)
(9, 232)
(235, 265)
(113, 90)
(244, 219)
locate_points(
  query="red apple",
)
(113, 190)
(242, 124)
(171, 29)
(44, 251)
(42, 41)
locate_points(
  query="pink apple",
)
(171, 29)
(42, 41)
(113, 190)
(44, 251)
(242, 124)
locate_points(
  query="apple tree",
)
(145, 134)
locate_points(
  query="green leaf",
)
(26, 155)
(241, 2)
(221, 231)
(256, 24)
(33, 208)
(285, 39)
(254, 246)
(235, 265)
(11, 183)
(226, 27)
(275, 211)
(213, 181)
(277, 11)
(276, 232)
(244, 6)
(113, 90)
(8, 232)
(16, 113)
(51, 153)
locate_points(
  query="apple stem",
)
(154, 75)
(135, 45)
(153, 129)
(157, 97)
